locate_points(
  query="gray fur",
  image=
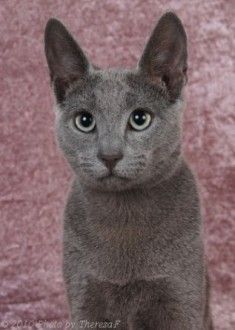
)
(133, 241)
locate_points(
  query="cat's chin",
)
(112, 177)
(113, 182)
(109, 183)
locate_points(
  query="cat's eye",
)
(140, 120)
(85, 122)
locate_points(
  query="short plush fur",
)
(133, 235)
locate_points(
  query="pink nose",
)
(110, 160)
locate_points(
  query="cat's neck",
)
(104, 207)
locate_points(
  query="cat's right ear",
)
(66, 60)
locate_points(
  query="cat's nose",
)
(110, 160)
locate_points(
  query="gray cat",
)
(133, 235)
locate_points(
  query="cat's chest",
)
(128, 236)
(127, 248)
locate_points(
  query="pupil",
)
(139, 118)
(86, 120)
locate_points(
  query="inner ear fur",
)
(66, 60)
(164, 60)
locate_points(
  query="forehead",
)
(113, 90)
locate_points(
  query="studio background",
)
(34, 178)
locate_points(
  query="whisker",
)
(137, 164)
(139, 157)
(86, 165)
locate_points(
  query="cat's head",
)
(119, 128)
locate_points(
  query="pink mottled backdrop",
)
(34, 179)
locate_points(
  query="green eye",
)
(140, 120)
(85, 122)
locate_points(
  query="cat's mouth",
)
(111, 177)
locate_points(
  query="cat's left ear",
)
(66, 60)
(164, 60)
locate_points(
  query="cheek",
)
(137, 157)
(79, 151)
(141, 141)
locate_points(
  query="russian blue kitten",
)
(133, 236)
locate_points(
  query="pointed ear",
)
(164, 60)
(66, 60)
